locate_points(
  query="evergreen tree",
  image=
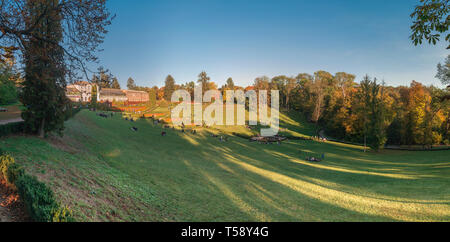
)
(44, 86)
(204, 79)
(94, 96)
(230, 84)
(50, 52)
(373, 115)
(8, 90)
(169, 88)
(115, 83)
(444, 72)
(130, 84)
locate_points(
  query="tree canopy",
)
(431, 20)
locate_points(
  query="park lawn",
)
(14, 111)
(106, 172)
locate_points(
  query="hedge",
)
(18, 127)
(11, 128)
(38, 198)
(72, 113)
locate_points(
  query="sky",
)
(244, 39)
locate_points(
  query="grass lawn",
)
(106, 172)
(14, 111)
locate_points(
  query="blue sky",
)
(244, 39)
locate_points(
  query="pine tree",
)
(130, 84)
(373, 114)
(169, 88)
(230, 84)
(115, 83)
(94, 96)
(204, 79)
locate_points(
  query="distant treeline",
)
(366, 112)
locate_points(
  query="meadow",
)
(104, 171)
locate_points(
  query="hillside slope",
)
(105, 171)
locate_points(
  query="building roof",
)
(134, 91)
(111, 92)
(72, 90)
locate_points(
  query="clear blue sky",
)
(244, 39)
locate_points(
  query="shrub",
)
(5, 162)
(11, 128)
(14, 172)
(39, 199)
(63, 214)
(8, 91)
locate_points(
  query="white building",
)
(85, 91)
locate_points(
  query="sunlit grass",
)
(105, 171)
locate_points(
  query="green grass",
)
(106, 172)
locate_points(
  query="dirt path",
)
(11, 208)
(7, 121)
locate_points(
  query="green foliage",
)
(104, 78)
(230, 83)
(443, 73)
(93, 103)
(40, 201)
(44, 86)
(5, 161)
(13, 173)
(71, 112)
(430, 21)
(130, 84)
(38, 198)
(62, 214)
(11, 128)
(115, 83)
(8, 90)
(169, 88)
(203, 79)
(372, 113)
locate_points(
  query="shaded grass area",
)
(106, 172)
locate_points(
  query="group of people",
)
(269, 143)
(315, 159)
(320, 138)
(104, 115)
(129, 119)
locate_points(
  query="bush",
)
(70, 113)
(5, 162)
(11, 128)
(14, 172)
(8, 91)
(63, 214)
(39, 199)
